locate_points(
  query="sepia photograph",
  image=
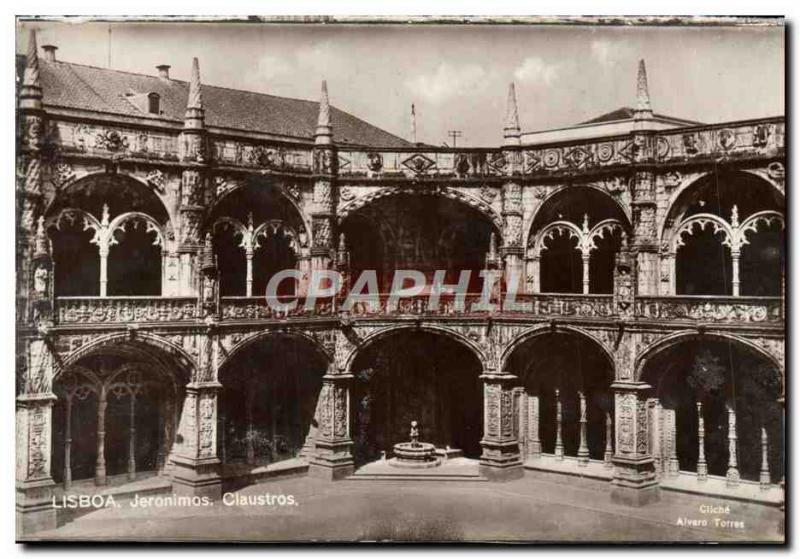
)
(400, 279)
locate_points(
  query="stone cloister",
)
(645, 346)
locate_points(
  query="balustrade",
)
(722, 309)
(102, 310)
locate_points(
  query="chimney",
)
(49, 52)
(163, 71)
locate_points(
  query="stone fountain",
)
(414, 454)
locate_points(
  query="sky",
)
(457, 76)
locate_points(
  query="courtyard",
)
(538, 507)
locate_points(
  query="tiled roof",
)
(77, 86)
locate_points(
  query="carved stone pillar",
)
(735, 272)
(34, 484)
(608, 455)
(583, 448)
(196, 467)
(645, 237)
(732, 475)
(132, 438)
(671, 442)
(763, 476)
(190, 238)
(702, 466)
(534, 441)
(193, 195)
(323, 215)
(657, 437)
(624, 279)
(100, 462)
(304, 266)
(534, 272)
(512, 251)
(521, 418)
(558, 450)
(500, 459)
(634, 480)
(333, 459)
(32, 123)
(586, 280)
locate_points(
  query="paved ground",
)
(539, 507)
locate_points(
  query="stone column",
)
(521, 415)
(534, 441)
(583, 448)
(657, 437)
(558, 450)
(196, 467)
(68, 443)
(512, 251)
(608, 455)
(586, 279)
(510, 160)
(132, 438)
(732, 475)
(643, 203)
(193, 193)
(333, 459)
(34, 484)
(100, 463)
(671, 439)
(634, 480)
(702, 466)
(104, 252)
(32, 124)
(500, 459)
(534, 272)
(248, 255)
(763, 476)
(323, 214)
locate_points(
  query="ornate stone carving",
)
(156, 179)
(110, 310)
(374, 161)
(62, 174)
(111, 140)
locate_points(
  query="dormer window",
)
(154, 103)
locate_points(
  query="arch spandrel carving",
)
(772, 349)
(299, 196)
(668, 196)
(610, 188)
(65, 176)
(172, 356)
(360, 197)
(603, 339)
(469, 336)
(232, 343)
